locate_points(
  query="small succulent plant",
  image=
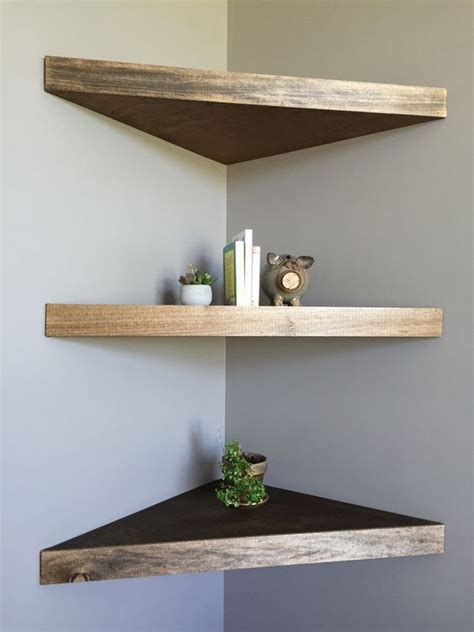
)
(238, 485)
(194, 276)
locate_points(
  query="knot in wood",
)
(79, 577)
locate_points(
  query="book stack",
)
(242, 270)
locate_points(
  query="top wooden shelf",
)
(232, 117)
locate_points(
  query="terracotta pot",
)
(258, 467)
(258, 464)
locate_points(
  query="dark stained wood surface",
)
(197, 515)
(193, 532)
(232, 117)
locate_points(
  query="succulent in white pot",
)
(196, 287)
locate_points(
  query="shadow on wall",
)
(202, 464)
(175, 157)
(329, 155)
(177, 350)
(291, 351)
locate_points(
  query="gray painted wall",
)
(95, 211)
(380, 423)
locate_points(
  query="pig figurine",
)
(285, 279)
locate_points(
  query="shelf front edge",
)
(72, 320)
(65, 76)
(170, 558)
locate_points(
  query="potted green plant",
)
(196, 287)
(242, 476)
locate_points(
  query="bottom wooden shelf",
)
(193, 533)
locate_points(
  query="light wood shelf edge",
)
(193, 532)
(65, 320)
(67, 75)
(171, 558)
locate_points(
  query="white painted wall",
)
(94, 211)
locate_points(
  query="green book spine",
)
(230, 280)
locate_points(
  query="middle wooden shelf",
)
(64, 320)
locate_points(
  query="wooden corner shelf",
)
(231, 117)
(64, 320)
(194, 533)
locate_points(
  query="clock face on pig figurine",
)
(285, 279)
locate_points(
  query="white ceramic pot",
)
(196, 295)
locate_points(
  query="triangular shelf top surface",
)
(193, 532)
(231, 117)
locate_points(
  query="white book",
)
(247, 237)
(240, 298)
(255, 295)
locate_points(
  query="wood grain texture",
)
(232, 117)
(178, 320)
(193, 533)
